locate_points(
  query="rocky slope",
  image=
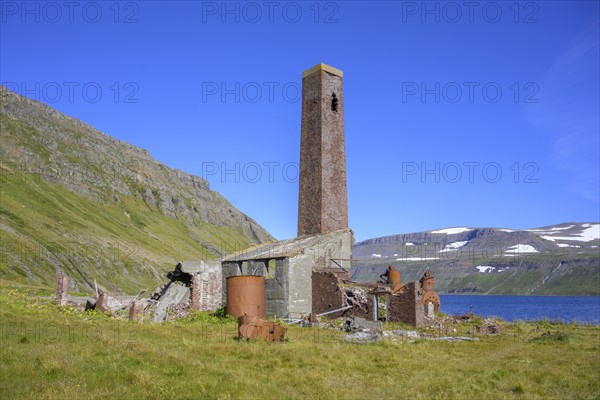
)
(75, 198)
(559, 259)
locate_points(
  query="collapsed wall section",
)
(332, 290)
(406, 306)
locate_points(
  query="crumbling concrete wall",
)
(288, 289)
(195, 289)
(277, 290)
(406, 306)
(323, 255)
(211, 290)
(333, 252)
(256, 267)
(299, 284)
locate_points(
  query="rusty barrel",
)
(246, 295)
(393, 276)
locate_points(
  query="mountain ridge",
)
(554, 259)
(65, 183)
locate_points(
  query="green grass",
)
(49, 352)
(124, 246)
(71, 218)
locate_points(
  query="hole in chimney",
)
(334, 102)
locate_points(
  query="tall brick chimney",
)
(323, 202)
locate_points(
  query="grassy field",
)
(50, 352)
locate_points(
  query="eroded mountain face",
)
(78, 199)
(559, 259)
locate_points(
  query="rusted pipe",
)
(334, 311)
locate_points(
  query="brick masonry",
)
(407, 306)
(62, 286)
(136, 311)
(206, 291)
(322, 203)
(328, 286)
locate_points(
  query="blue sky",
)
(455, 116)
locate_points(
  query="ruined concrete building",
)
(309, 275)
(288, 268)
(204, 281)
(324, 240)
(192, 285)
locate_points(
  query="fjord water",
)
(581, 309)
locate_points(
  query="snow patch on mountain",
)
(454, 246)
(591, 232)
(521, 248)
(452, 231)
(551, 230)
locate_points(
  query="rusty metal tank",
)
(428, 284)
(246, 296)
(393, 276)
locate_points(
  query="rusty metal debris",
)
(334, 311)
(391, 276)
(251, 327)
(430, 298)
(246, 302)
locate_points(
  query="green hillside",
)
(76, 199)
